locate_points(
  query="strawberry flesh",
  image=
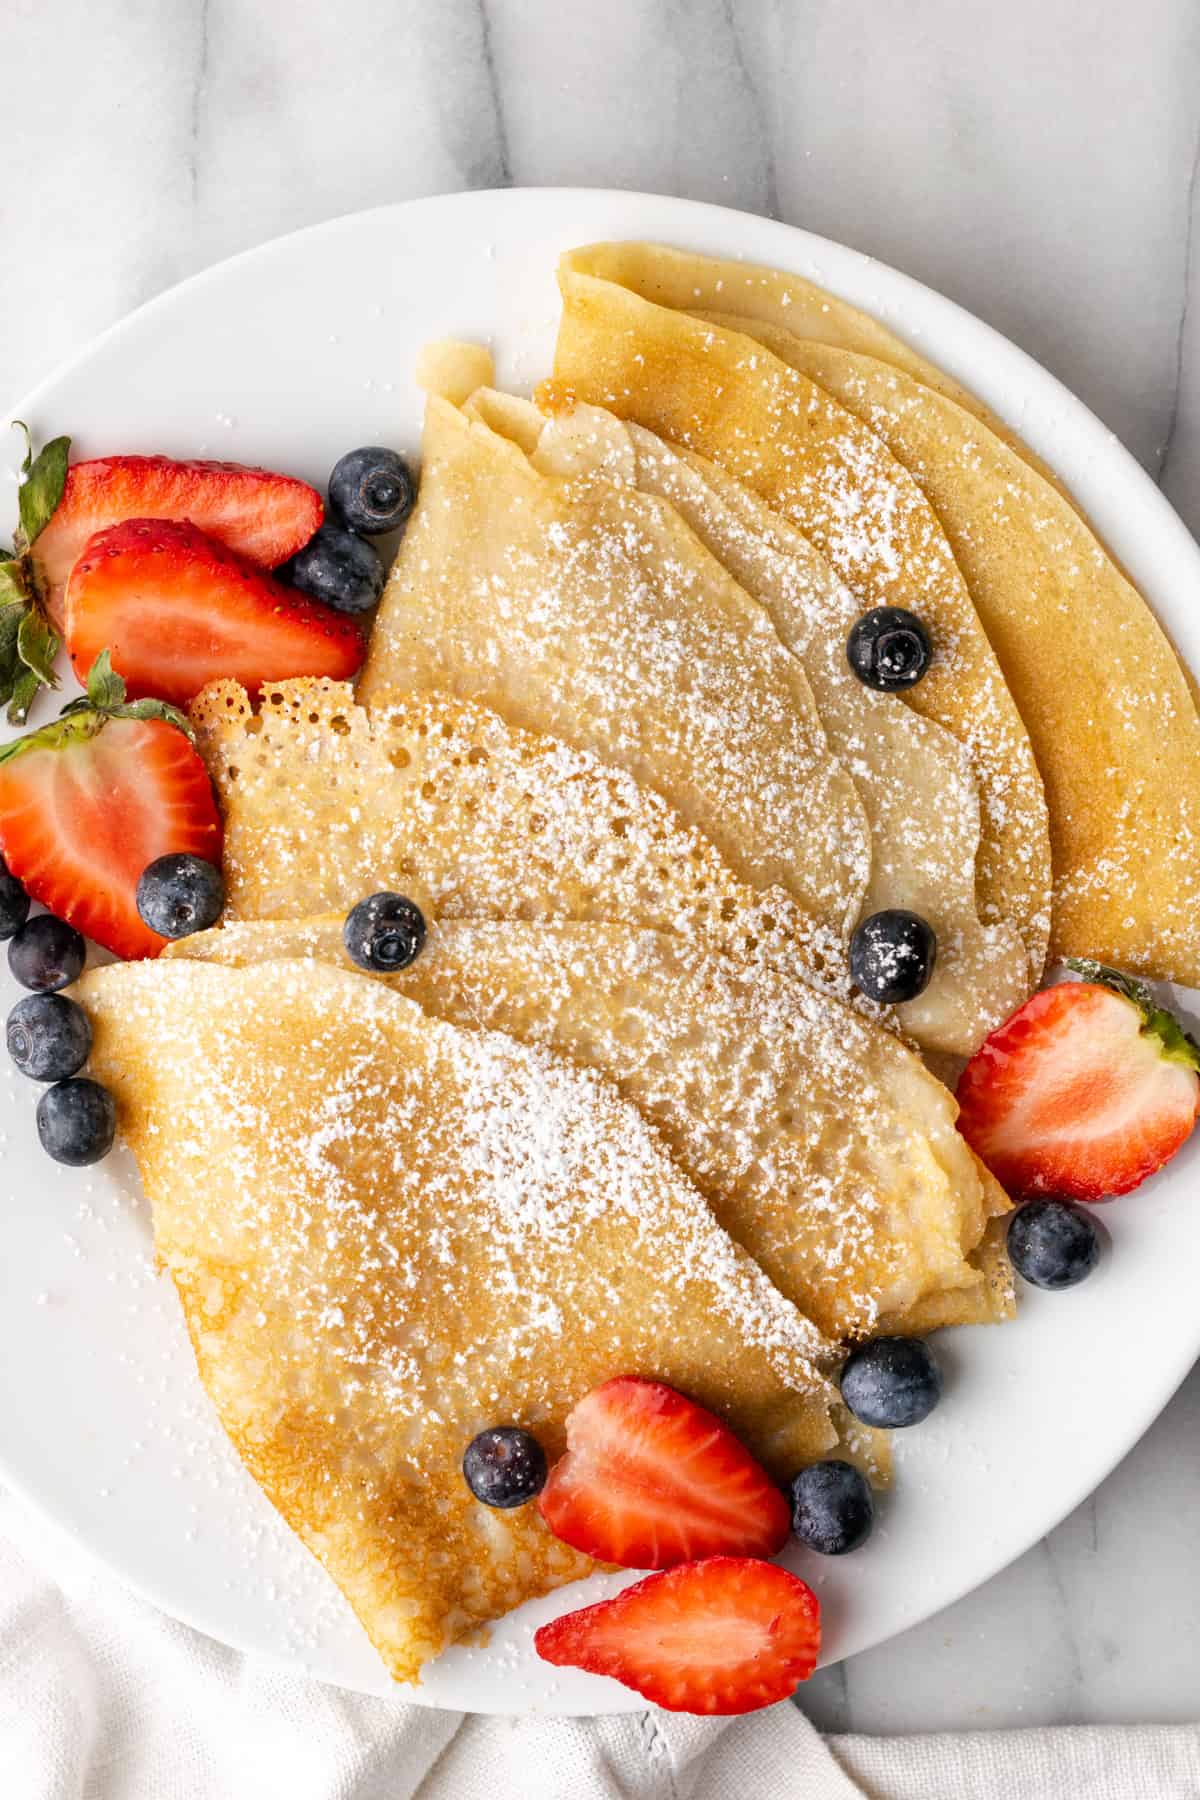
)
(651, 1479)
(81, 818)
(1084, 1092)
(726, 1635)
(262, 516)
(176, 610)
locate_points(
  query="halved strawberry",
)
(726, 1635)
(87, 802)
(650, 1479)
(1084, 1092)
(262, 516)
(177, 610)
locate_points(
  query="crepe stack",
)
(591, 612)
(1109, 712)
(821, 1144)
(913, 779)
(623, 1114)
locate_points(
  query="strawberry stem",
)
(1175, 1044)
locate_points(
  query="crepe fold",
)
(388, 1233)
(770, 426)
(913, 779)
(590, 611)
(822, 1145)
(1110, 712)
(324, 801)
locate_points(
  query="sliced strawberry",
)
(177, 610)
(650, 1479)
(726, 1635)
(262, 516)
(1084, 1092)
(87, 802)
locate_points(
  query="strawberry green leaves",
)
(105, 698)
(105, 689)
(44, 478)
(28, 642)
(1176, 1044)
(84, 717)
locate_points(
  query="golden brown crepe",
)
(821, 1144)
(388, 1233)
(325, 802)
(913, 778)
(768, 425)
(751, 295)
(592, 612)
(1110, 712)
(1109, 709)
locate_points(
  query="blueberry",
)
(832, 1509)
(891, 1382)
(1053, 1245)
(340, 569)
(14, 902)
(892, 955)
(384, 933)
(889, 649)
(179, 894)
(46, 953)
(76, 1121)
(504, 1466)
(372, 490)
(49, 1037)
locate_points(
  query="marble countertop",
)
(1037, 162)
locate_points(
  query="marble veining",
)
(1039, 163)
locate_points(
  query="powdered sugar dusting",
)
(378, 1225)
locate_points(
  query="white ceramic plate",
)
(288, 356)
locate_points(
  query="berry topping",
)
(504, 1466)
(726, 1635)
(1088, 1089)
(891, 1382)
(14, 902)
(372, 490)
(1053, 1244)
(177, 610)
(46, 953)
(889, 649)
(651, 1479)
(49, 1037)
(892, 954)
(179, 894)
(76, 1122)
(384, 932)
(87, 802)
(259, 515)
(340, 569)
(832, 1509)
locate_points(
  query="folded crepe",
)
(387, 1234)
(764, 422)
(325, 801)
(592, 612)
(1109, 709)
(822, 1145)
(913, 778)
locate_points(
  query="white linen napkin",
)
(104, 1698)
